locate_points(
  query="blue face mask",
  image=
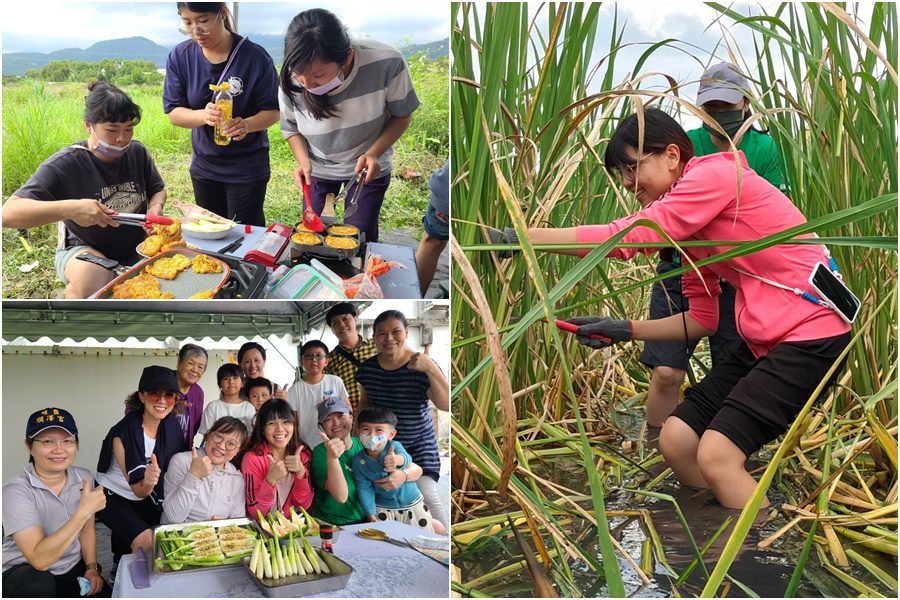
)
(373, 442)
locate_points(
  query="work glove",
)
(507, 236)
(611, 330)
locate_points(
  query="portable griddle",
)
(238, 279)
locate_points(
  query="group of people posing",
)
(352, 441)
(342, 104)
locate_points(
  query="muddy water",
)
(765, 571)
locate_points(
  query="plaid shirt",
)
(339, 365)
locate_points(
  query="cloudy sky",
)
(80, 24)
(702, 40)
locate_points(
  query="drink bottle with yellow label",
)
(225, 101)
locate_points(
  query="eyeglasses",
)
(201, 28)
(315, 357)
(218, 439)
(627, 172)
(49, 444)
(276, 422)
(169, 396)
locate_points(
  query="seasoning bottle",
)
(225, 101)
(326, 533)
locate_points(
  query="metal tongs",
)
(381, 536)
(140, 220)
(351, 205)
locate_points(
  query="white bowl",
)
(209, 232)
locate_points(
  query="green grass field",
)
(41, 117)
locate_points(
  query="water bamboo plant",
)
(528, 131)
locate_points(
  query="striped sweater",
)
(378, 87)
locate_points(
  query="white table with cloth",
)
(380, 570)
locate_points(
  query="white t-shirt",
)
(217, 409)
(305, 398)
(114, 479)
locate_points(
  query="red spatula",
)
(310, 219)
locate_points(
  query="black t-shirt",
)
(123, 185)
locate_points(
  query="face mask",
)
(373, 442)
(327, 87)
(729, 120)
(108, 150)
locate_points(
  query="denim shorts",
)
(62, 258)
(436, 223)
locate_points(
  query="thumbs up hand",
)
(294, 463)
(152, 472)
(277, 470)
(420, 362)
(201, 466)
(392, 461)
(334, 448)
(92, 501)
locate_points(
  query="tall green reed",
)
(526, 145)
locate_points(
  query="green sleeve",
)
(319, 466)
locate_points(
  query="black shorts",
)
(127, 519)
(752, 401)
(666, 300)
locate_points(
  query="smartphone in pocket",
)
(833, 291)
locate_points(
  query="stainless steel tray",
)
(158, 553)
(305, 585)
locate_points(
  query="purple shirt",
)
(188, 76)
(190, 417)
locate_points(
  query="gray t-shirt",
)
(27, 502)
(188, 499)
(124, 185)
(378, 87)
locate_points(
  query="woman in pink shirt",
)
(753, 396)
(276, 466)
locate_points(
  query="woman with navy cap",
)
(48, 516)
(133, 458)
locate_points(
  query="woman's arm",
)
(88, 540)
(670, 329)
(157, 203)
(142, 488)
(42, 551)
(24, 213)
(392, 131)
(259, 493)
(191, 119)
(297, 144)
(182, 490)
(439, 388)
(241, 127)
(363, 400)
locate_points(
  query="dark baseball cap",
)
(48, 418)
(156, 378)
(332, 404)
(722, 82)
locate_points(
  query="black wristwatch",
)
(95, 566)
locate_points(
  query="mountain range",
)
(140, 48)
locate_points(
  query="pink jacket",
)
(703, 205)
(260, 495)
